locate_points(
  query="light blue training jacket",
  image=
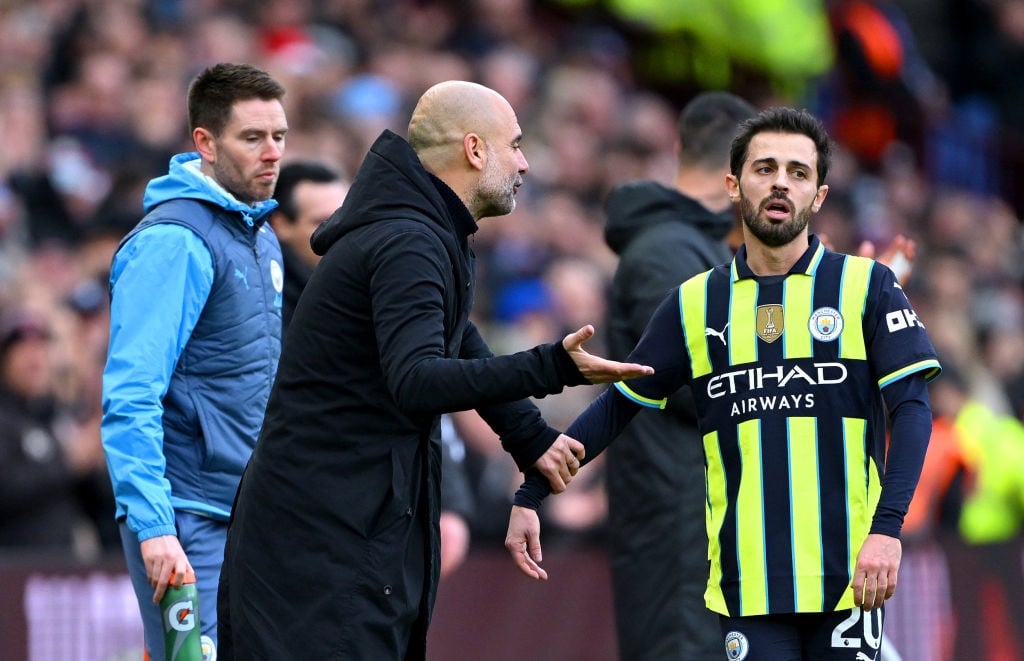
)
(194, 342)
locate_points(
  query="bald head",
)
(468, 136)
(446, 113)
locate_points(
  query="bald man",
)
(333, 549)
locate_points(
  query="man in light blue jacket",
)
(195, 337)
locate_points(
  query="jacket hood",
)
(633, 207)
(184, 179)
(391, 183)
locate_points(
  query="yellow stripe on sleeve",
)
(640, 399)
(931, 365)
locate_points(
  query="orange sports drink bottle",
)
(179, 610)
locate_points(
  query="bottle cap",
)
(190, 576)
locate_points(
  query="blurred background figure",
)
(307, 193)
(51, 467)
(457, 499)
(989, 524)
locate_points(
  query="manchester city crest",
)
(736, 646)
(826, 324)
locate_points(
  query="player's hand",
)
(874, 577)
(523, 541)
(162, 557)
(595, 368)
(561, 461)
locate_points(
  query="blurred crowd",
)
(922, 96)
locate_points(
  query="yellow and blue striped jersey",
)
(787, 374)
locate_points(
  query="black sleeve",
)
(911, 419)
(523, 432)
(596, 428)
(407, 276)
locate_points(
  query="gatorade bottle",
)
(179, 609)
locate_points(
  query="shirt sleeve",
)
(523, 432)
(662, 347)
(911, 416)
(160, 280)
(409, 310)
(899, 344)
(596, 428)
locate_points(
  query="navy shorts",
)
(849, 635)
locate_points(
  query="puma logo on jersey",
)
(711, 332)
(243, 276)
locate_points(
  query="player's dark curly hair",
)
(781, 120)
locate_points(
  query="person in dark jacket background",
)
(655, 481)
(332, 549)
(307, 193)
(47, 461)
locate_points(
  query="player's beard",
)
(770, 233)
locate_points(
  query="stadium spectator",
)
(46, 460)
(986, 504)
(458, 502)
(195, 336)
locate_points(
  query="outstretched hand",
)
(523, 541)
(596, 369)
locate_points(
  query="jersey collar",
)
(806, 265)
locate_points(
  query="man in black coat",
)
(333, 551)
(655, 479)
(308, 192)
